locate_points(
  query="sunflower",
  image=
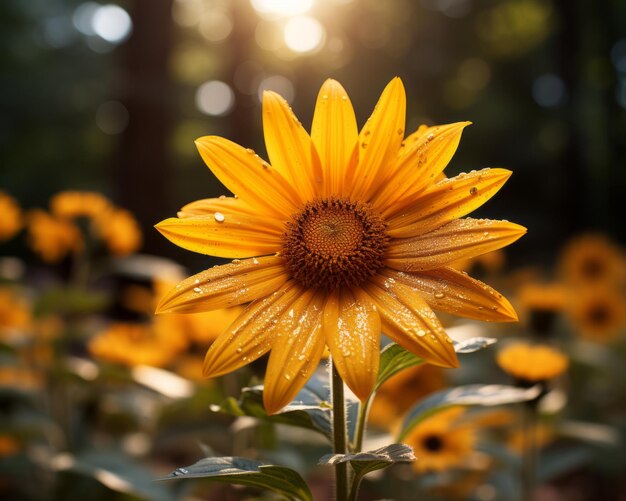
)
(592, 259)
(442, 441)
(532, 363)
(598, 313)
(345, 234)
(398, 394)
(119, 230)
(540, 303)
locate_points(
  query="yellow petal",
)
(379, 142)
(352, 329)
(229, 206)
(447, 200)
(223, 234)
(419, 166)
(409, 321)
(225, 286)
(334, 133)
(251, 335)
(459, 239)
(249, 177)
(289, 147)
(296, 351)
(452, 291)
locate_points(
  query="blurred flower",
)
(398, 394)
(8, 446)
(11, 220)
(491, 262)
(598, 313)
(134, 344)
(51, 237)
(539, 305)
(15, 315)
(532, 363)
(518, 438)
(73, 204)
(592, 259)
(119, 230)
(12, 376)
(355, 233)
(442, 441)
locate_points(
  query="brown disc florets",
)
(334, 242)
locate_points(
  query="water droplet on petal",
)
(287, 377)
(239, 350)
(249, 151)
(439, 295)
(344, 98)
(473, 190)
(400, 131)
(197, 290)
(219, 217)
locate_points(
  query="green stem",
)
(359, 432)
(339, 434)
(528, 454)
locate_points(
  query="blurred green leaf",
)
(470, 395)
(69, 300)
(310, 409)
(365, 462)
(394, 358)
(243, 471)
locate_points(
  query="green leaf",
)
(366, 462)
(310, 409)
(470, 395)
(394, 358)
(242, 471)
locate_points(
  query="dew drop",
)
(421, 333)
(239, 350)
(250, 151)
(363, 145)
(344, 98)
(439, 295)
(473, 190)
(325, 97)
(430, 137)
(197, 290)
(236, 261)
(222, 197)
(400, 131)
(219, 217)
(485, 234)
(287, 377)
(449, 340)
(255, 261)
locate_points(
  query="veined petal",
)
(289, 146)
(249, 177)
(335, 134)
(459, 239)
(221, 235)
(251, 335)
(352, 329)
(452, 291)
(409, 321)
(379, 142)
(447, 200)
(227, 207)
(424, 156)
(226, 285)
(296, 351)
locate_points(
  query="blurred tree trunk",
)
(142, 171)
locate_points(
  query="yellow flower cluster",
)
(54, 235)
(11, 220)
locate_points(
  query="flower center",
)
(334, 242)
(432, 443)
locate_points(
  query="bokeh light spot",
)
(279, 84)
(304, 34)
(282, 7)
(216, 26)
(549, 91)
(112, 117)
(112, 23)
(215, 98)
